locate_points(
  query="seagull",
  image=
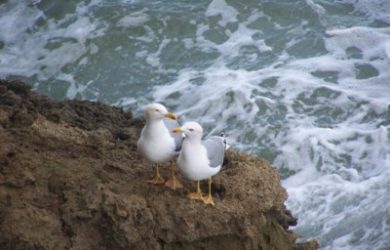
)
(200, 159)
(157, 143)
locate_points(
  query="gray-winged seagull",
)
(200, 159)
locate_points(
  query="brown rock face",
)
(71, 178)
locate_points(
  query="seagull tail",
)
(227, 146)
(224, 138)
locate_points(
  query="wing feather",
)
(215, 147)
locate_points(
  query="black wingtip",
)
(222, 134)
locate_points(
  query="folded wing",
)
(215, 147)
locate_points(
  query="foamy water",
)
(305, 84)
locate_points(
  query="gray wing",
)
(215, 147)
(171, 124)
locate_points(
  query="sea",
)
(304, 84)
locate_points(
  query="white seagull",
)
(200, 159)
(158, 143)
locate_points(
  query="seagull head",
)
(191, 130)
(157, 111)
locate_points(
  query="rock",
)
(18, 87)
(27, 227)
(71, 178)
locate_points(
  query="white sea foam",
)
(316, 7)
(12, 26)
(241, 37)
(44, 52)
(376, 10)
(154, 58)
(221, 8)
(135, 19)
(340, 170)
(347, 193)
(369, 40)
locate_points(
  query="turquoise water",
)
(305, 84)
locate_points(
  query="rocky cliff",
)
(70, 178)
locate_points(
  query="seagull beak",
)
(177, 130)
(171, 116)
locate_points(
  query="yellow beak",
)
(171, 116)
(177, 130)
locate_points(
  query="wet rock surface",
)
(71, 178)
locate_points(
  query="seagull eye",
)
(191, 129)
(157, 110)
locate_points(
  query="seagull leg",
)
(209, 199)
(157, 179)
(196, 195)
(173, 182)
